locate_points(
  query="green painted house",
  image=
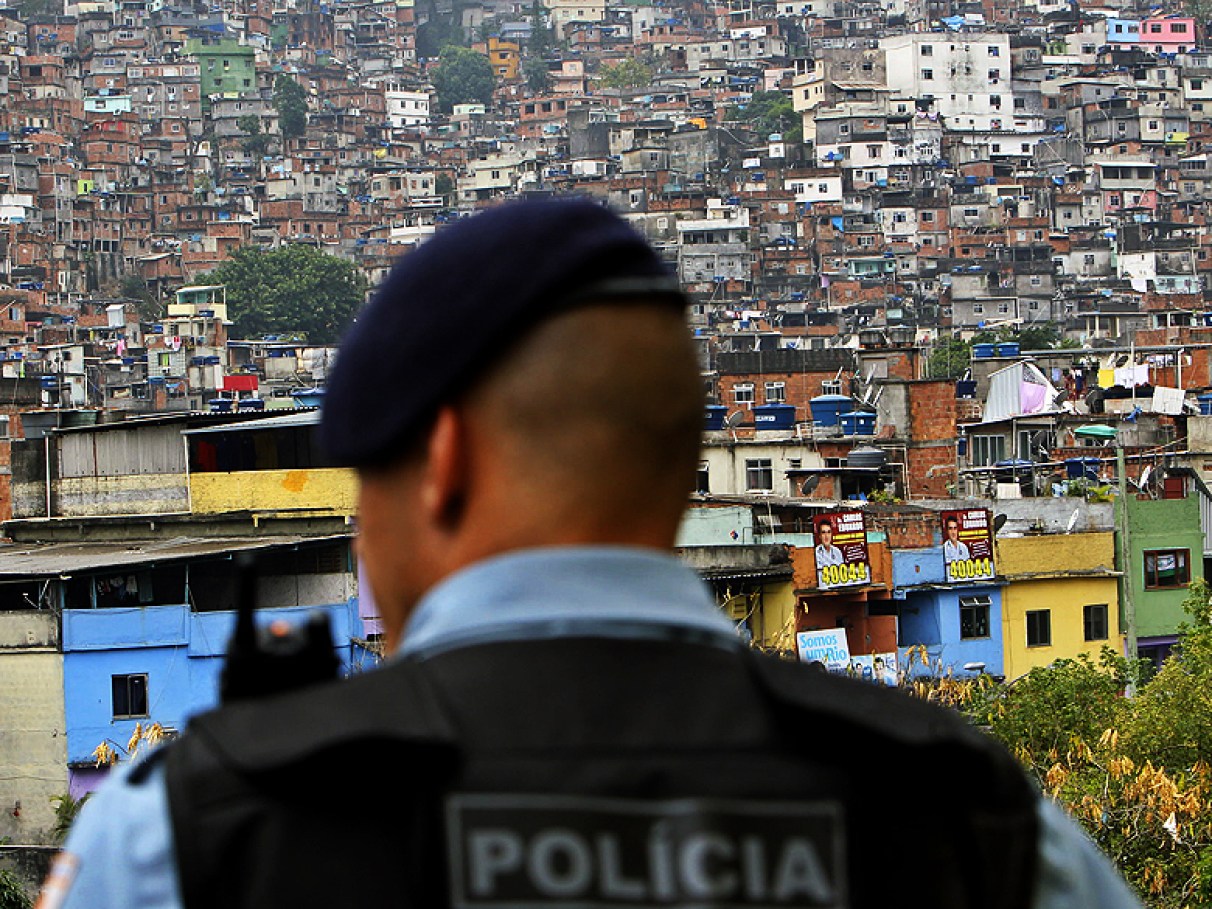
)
(227, 68)
(1166, 553)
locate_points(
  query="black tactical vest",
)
(593, 772)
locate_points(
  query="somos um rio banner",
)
(826, 646)
(967, 545)
(841, 549)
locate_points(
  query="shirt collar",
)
(563, 591)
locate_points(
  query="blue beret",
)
(460, 300)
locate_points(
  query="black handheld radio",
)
(278, 657)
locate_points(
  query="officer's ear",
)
(444, 479)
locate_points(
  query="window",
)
(987, 450)
(927, 75)
(1094, 621)
(994, 51)
(1039, 627)
(130, 695)
(759, 474)
(703, 480)
(974, 617)
(776, 392)
(742, 393)
(1167, 568)
(927, 50)
(873, 151)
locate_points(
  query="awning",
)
(21, 561)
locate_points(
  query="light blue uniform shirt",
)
(123, 838)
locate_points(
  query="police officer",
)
(567, 719)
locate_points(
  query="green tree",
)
(462, 76)
(12, 894)
(256, 142)
(949, 359)
(1171, 722)
(1038, 336)
(290, 101)
(67, 808)
(443, 185)
(770, 112)
(538, 76)
(291, 289)
(437, 32)
(541, 39)
(1043, 712)
(629, 73)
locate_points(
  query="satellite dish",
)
(809, 485)
(999, 521)
(734, 418)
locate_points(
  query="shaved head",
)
(585, 432)
(599, 412)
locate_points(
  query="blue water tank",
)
(828, 409)
(965, 388)
(308, 397)
(220, 405)
(251, 404)
(714, 416)
(982, 351)
(1008, 349)
(1205, 404)
(1086, 468)
(49, 383)
(774, 416)
(858, 423)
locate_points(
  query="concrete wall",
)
(328, 490)
(716, 526)
(33, 747)
(152, 494)
(726, 463)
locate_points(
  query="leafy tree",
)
(134, 287)
(541, 39)
(628, 73)
(770, 112)
(290, 289)
(1043, 712)
(443, 185)
(67, 808)
(290, 101)
(256, 143)
(1038, 336)
(437, 32)
(949, 359)
(538, 77)
(462, 76)
(12, 894)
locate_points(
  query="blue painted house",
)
(959, 624)
(129, 665)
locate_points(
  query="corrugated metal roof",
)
(20, 560)
(300, 418)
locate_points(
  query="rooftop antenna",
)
(731, 421)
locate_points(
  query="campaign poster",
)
(841, 549)
(967, 545)
(879, 668)
(827, 646)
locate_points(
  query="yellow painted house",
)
(1062, 598)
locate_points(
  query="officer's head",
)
(524, 378)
